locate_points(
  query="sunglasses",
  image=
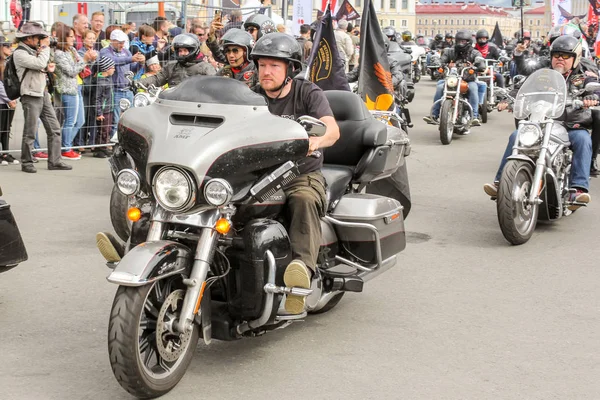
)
(251, 29)
(564, 56)
(234, 51)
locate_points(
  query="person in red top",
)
(489, 51)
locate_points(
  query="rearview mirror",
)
(592, 87)
(313, 126)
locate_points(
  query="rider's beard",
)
(561, 69)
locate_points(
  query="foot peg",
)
(295, 291)
(348, 284)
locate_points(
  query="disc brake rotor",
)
(170, 345)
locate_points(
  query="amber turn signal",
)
(440, 70)
(471, 71)
(223, 226)
(134, 214)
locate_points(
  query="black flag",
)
(325, 66)
(375, 85)
(497, 37)
(346, 12)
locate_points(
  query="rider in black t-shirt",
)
(278, 58)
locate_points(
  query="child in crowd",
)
(152, 68)
(104, 105)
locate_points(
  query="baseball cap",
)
(119, 36)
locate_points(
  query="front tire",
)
(516, 218)
(417, 75)
(446, 122)
(143, 366)
(483, 110)
(119, 205)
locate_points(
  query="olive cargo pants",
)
(305, 205)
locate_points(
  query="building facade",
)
(535, 21)
(400, 14)
(449, 18)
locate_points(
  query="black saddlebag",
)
(12, 248)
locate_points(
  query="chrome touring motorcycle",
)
(535, 181)
(207, 251)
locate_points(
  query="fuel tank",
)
(213, 127)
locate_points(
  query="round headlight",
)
(141, 100)
(218, 192)
(452, 81)
(529, 135)
(174, 189)
(128, 182)
(124, 104)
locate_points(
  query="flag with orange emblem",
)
(375, 79)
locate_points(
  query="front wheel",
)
(446, 121)
(147, 358)
(517, 218)
(119, 204)
(417, 75)
(483, 110)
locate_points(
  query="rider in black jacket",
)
(489, 51)
(462, 54)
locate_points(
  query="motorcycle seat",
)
(338, 177)
(360, 132)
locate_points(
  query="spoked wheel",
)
(446, 123)
(483, 110)
(147, 357)
(564, 189)
(516, 217)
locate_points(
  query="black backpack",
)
(11, 82)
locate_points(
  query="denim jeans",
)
(473, 98)
(581, 143)
(117, 96)
(481, 89)
(74, 118)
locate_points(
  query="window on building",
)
(382, 4)
(469, 22)
(393, 4)
(464, 22)
(425, 22)
(425, 32)
(439, 31)
(538, 22)
(392, 22)
(420, 23)
(404, 4)
(358, 3)
(439, 21)
(446, 22)
(483, 21)
(382, 22)
(451, 22)
(537, 34)
(404, 23)
(530, 22)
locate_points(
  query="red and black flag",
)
(375, 85)
(347, 12)
(497, 37)
(325, 66)
(595, 6)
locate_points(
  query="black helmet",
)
(261, 22)
(482, 34)
(568, 44)
(238, 37)
(186, 41)
(462, 35)
(439, 37)
(281, 46)
(406, 36)
(449, 35)
(390, 32)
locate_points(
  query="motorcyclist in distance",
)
(421, 40)
(278, 58)
(566, 57)
(407, 39)
(437, 43)
(448, 41)
(236, 46)
(461, 55)
(390, 33)
(489, 51)
(186, 47)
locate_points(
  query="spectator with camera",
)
(31, 61)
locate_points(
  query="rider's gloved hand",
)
(590, 100)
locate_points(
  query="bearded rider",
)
(278, 58)
(237, 45)
(186, 47)
(489, 51)
(462, 54)
(566, 57)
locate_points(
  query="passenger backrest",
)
(359, 131)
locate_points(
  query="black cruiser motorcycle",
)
(12, 248)
(207, 249)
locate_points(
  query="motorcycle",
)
(491, 94)
(434, 66)
(416, 53)
(207, 250)
(456, 113)
(535, 182)
(12, 248)
(403, 56)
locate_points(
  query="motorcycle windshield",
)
(214, 90)
(543, 95)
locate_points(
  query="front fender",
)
(521, 157)
(151, 261)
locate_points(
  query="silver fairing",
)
(210, 140)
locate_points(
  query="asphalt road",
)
(463, 315)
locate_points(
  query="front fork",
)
(197, 279)
(540, 166)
